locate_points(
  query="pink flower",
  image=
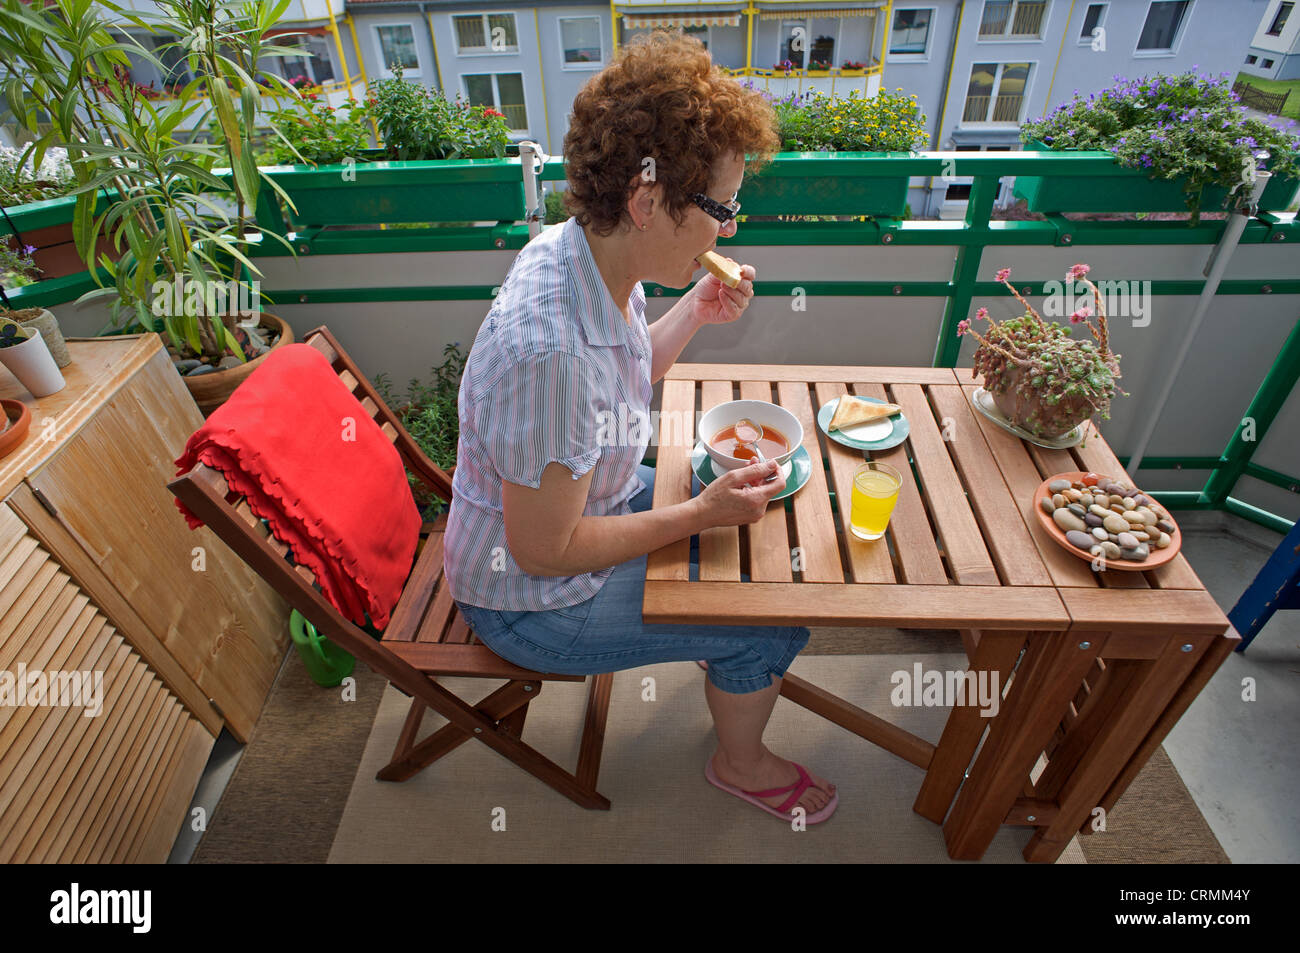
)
(962, 327)
(982, 314)
(1077, 272)
(1003, 274)
(1080, 315)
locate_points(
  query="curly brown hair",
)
(661, 98)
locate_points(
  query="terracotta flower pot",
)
(17, 419)
(212, 390)
(1032, 412)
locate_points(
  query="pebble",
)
(1073, 495)
(1128, 541)
(1100, 533)
(1077, 510)
(1115, 523)
(1086, 499)
(1110, 550)
(1058, 486)
(187, 365)
(1164, 526)
(1127, 503)
(1058, 500)
(1133, 516)
(1142, 499)
(1091, 479)
(1067, 520)
(229, 362)
(1081, 540)
(1100, 511)
(1117, 508)
(1047, 505)
(201, 370)
(1147, 516)
(1092, 519)
(1163, 541)
(1140, 536)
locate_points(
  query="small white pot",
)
(33, 365)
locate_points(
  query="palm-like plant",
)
(68, 82)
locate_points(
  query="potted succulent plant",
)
(1190, 142)
(173, 226)
(1041, 378)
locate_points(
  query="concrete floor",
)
(1237, 758)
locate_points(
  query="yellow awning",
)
(779, 14)
(636, 22)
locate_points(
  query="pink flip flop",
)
(703, 665)
(797, 789)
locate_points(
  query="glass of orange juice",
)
(875, 491)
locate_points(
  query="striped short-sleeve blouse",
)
(555, 374)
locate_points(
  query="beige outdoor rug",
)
(653, 773)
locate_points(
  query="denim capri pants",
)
(606, 634)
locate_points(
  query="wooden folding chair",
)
(426, 637)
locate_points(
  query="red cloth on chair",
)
(301, 449)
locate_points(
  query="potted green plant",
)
(180, 226)
(1190, 142)
(1041, 378)
(842, 133)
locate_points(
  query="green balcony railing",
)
(343, 210)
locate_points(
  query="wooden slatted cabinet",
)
(99, 573)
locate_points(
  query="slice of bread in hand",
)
(852, 411)
(726, 270)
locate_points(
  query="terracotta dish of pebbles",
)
(1092, 515)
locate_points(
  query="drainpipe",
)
(943, 97)
(531, 162)
(1213, 271)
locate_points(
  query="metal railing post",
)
(531, 162)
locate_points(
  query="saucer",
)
(983, 402)
(796, 470)
(873, 435)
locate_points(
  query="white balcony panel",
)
(1150, 262)
(795, 263)
(396, 269)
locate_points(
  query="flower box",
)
(372, 193)
(1133, 191)
(825, 183)
(48, 226)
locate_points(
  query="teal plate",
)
(901, 428)
(800, 470)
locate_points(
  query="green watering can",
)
(326, 663)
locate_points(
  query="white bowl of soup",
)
(782, 433)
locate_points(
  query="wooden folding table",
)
(1097, 667)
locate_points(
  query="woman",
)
(550, 525)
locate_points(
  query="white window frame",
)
(384, 69)
(923, 57)
(1276, 14)
(1009, 38)
(807, 25)
(496, 91)
(1086, 40)
(487, 33)
(1178, 40)
(993, 99)
(600, 32)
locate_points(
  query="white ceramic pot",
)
(33, 365)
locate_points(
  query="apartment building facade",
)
(1274, 51)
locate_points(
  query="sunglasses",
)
(724, 212)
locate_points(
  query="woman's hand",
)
(715, 303)
(730, 500)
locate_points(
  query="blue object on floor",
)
(1277, 586)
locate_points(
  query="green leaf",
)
(246, 175)
(83, 222)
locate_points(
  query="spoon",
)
(749, 433)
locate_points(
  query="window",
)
(1012, 18)
(503, 92)
(1252, 60)
(486, 33)
(1279, 21)
(700, 33)
(172, 58)
(397, 48)
(910, 33)
(1160, 31)
(996, 92)
(316, 65)
(1091, 21)
(1267, 64)
(794, 44)
(580, 42)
